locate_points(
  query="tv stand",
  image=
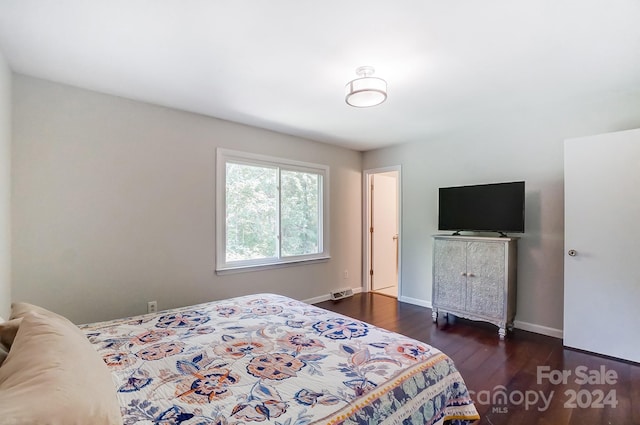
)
(474, 277)
(503, 235)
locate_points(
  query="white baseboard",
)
(415, 301)
(539, 329)
(327, 297)
(525, 326)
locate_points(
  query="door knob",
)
(572, 253)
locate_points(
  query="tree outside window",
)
(273, 210)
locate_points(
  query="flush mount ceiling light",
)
(366, 90)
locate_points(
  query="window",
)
(270, 211)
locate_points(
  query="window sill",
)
(260, 267)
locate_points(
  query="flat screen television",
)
(496, 207)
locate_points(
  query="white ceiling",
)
(283, 64)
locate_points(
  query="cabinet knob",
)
(572, 252)
(463, 274)
(470, 274)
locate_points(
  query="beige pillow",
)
(3, 354)
(8, 332)
(53, 376)
(20, 309)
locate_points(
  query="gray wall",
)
(113, 201)
(5, 188)
(522, 147)
(114, 205)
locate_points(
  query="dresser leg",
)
(502, 332)
(434, 316)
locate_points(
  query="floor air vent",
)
(341, 293)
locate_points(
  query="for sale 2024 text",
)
(584, 398)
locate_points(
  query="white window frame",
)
(227, 155)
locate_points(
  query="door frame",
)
(366, 221)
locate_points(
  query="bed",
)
(270, 359)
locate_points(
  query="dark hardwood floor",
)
(525, 368)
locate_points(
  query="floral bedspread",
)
(272, 360)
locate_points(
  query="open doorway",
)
(382, 230)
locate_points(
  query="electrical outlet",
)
(152, 306)
(345, 274)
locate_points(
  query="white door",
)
(602, 244)
(384, 238)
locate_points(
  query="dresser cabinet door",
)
(486, 276)
(449, 274)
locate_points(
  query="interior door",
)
(384, 238)
(602, 248)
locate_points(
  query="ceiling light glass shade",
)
(366, 91)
